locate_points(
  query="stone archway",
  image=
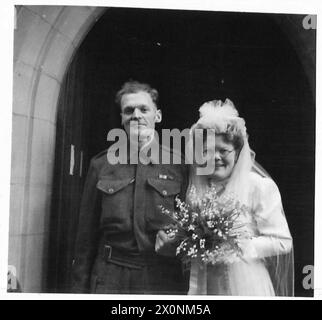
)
(46, 38)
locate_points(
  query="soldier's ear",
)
(158, 116)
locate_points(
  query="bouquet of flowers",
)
(210, 231)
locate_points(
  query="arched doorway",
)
(191, 57)
(45, 39)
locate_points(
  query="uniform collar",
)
(150, 152)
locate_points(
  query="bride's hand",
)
(248, 249)
(164, 243)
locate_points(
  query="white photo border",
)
(7, 25)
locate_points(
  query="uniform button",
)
(164, 192)
(110, 190)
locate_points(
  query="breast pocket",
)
(116, 198)
(162, 193)
(165, 188)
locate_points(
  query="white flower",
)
(210, 224)
(191, 227)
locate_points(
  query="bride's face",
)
(223, 154)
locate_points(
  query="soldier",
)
(120, 216)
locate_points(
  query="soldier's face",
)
(139, 112)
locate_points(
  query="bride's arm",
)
(273, 235)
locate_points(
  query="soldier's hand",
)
(164, 243)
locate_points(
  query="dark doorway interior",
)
(190, 57)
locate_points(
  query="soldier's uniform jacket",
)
(120, 207)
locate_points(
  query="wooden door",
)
(71, 161)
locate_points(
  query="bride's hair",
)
(233, 136)
(229, 137)
(222, 118)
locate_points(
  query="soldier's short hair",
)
(134, 87)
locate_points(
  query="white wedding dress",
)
(265, 261)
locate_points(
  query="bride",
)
(265, 267)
